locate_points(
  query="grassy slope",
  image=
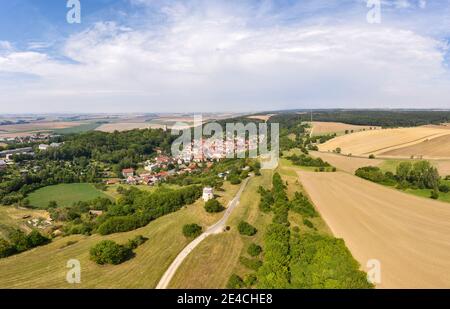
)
(64, 194)
(45, 267)
(217, 257)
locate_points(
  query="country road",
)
(217, 228)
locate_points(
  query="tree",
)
(109, 252)
(192, 230)
(213, 206)
(6, 248)
(235, 282)
(254, 249)
(247, 229)
(403, 170)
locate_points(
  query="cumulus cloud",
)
(223, 58)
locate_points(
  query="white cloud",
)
(209, 59)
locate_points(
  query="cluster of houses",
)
(6, 155)
(216, 148)
(31, 138)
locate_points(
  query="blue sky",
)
(194, 56)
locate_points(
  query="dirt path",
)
(410, 236)
(217, 228)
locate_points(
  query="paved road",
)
(217, 228)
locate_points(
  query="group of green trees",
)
(83, 157)
(110, 252)
(305, 160)
(307, 260)
(19, 242)
(213, 206)
(136, 208)
(417, 175)
(383, 118)
(192, 230)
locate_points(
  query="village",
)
(193, 157)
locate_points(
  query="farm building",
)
(128, 172)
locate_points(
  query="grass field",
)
(64, 194)
(85, 127)
(45, 267)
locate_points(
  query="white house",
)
(208, 194)
(43, 147)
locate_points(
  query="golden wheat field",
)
(438, 147)
(378, 142)
(319, 128)
(345, 163)
(408, 235)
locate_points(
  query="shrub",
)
(234, 180)
(372, 156)
(444, 188)
(308, 223)
(434, 195)
(192, 230)
(235, 282)
(247, 229)
(36, 239)
(213, 206)
(253, 264)
(136, 242)
(109, 252)
(254, 249)
(250, 280)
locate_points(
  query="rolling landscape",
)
(211, 152)
(347, 188)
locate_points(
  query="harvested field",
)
(381, 141)
(320, 128)
(345, 163)
(443, 167)
(409, 235)
(261, 117)
(27, 129)
(36, 126)
(438, 147)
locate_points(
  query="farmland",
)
(64, 194)
(381, 141)
(346, 163)
(438, 147)
(321, 128)
(398, 229)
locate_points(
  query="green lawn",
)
(79, 129)
(64, 194)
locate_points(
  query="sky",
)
(223, 56)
